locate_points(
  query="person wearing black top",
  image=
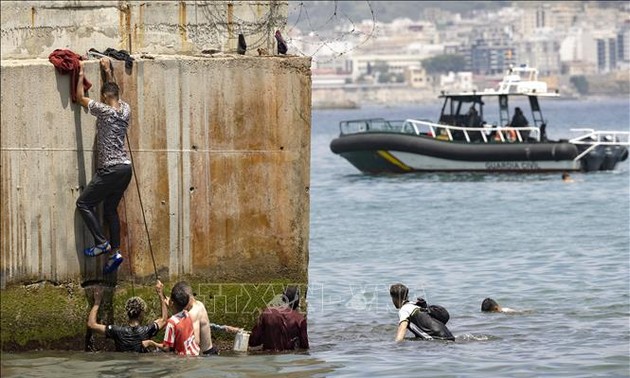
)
(519, 120)
(128, 338)
(417, 318)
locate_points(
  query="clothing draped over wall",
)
(68, 62)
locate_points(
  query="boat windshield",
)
(376, 125)
(464, 111)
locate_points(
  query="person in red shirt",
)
(179, 335)
(281, 328)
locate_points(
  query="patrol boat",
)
(461, 141)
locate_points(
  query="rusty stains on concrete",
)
(221, 151)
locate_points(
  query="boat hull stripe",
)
(392, 159)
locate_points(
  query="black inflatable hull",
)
(400, 153)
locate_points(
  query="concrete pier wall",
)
(220, 142)
(220, 146)
(221, 150)
(33, 29)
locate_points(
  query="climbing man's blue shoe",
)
(113, 263)
(97, 249)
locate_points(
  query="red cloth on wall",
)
(67, 62)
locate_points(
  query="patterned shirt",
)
(111, 127)
(180, 335)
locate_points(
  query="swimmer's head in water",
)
(399, 294)
(490, 305)
(135, 308)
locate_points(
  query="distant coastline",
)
(354, 98)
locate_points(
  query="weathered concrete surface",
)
(33, 29)
(221, 149)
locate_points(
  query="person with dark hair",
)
(473, 117)
(490, 305)
(566, 177)
(282, 327)
(129, 338)
(201, 323)
(519, 120)
(416, 319)
(113, 167)
(179, 335)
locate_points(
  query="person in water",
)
(282, 327)
(201, 323)
(490, 305)
(129, 338)
(416, 319)
(566, 177)
(179, 335)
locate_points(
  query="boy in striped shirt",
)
(179, 335)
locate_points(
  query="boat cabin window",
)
(464, 111)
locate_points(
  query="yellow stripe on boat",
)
(390, 158)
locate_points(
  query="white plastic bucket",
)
(241, 341)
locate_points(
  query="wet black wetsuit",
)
(129, 338)
(422, 324)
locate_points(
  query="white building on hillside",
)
(457, 82)
(586, 51)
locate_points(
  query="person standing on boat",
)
(474, 120)
(473, 117)
(519, 120)
(413, 318)
(113, 172)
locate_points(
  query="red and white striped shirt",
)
(180, 336)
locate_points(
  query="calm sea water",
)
(558, 251)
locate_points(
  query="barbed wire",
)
(336, 20)
(211, 26)
(260, 27)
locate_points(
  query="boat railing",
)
(487, 133)
(594, 138)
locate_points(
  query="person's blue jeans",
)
(108, 186)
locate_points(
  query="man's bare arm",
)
(106, 66)
(92, 322)
(153, 344)
(402, 330)
(161, 322)
(81, 99)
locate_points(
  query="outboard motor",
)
(594, 159)
(613, 155)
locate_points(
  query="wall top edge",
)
(223, 57)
